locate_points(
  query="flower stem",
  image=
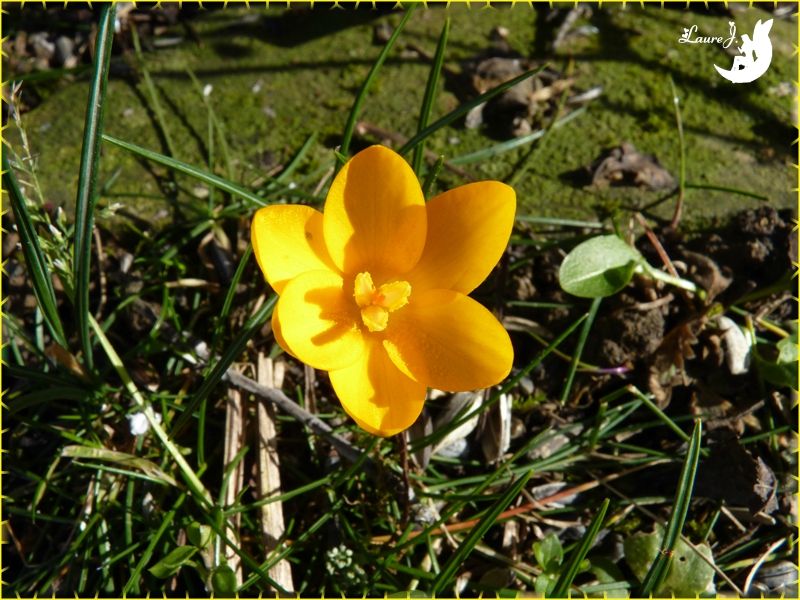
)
(645, 269)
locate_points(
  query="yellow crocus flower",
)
(374, 288)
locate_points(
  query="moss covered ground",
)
(280, 75)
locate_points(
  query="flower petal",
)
(468, 230)
(288, 241)
(318, 321)
(276, 331)
(381, 399)
(448, 341)
(374, 218)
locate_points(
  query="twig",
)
(100, 272)
(345, 448)
(583, 487)
(761, 559)
(282, 401)
(662, 254)
(569, 21)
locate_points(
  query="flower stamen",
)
(377, 303)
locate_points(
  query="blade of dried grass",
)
(270, 374)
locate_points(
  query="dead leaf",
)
(458, 405)
(733, 475)
(706, 273)
(668, 362)
(66, 359)
(496, 433)
(624, 165)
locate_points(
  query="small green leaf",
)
(172, 562)
(688, 573)
(199, 535)
(787, 350)
(598, 267)
(680, 506)
(779, 374)
(223, 582)
(607, 572)
(544, 584)
(782, 372)
(548, 552)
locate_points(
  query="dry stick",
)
(234, 439)
(345, 448)
(761, 560)
(310, 397)
(270, 373)
(578, 489)
(101, 273)
(282, 401)
(662, 254)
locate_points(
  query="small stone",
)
(65, 52)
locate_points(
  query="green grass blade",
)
(34, 258)
(296, 160)
(237, 277)
(557, 222)
(192, 481)
(87, 178)
(430, 95)
(155, 539)
(727, 190)
(458, 557)
(682, 154)
(512, 144)
(218, 128)
(465, 108)
(232, 352)
(204, 176)
(576, 355)
(350, 125)
(158, 110)
(432, 175)
(683, 495)
(658, 412)
(571, 569)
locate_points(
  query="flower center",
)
(377, 303)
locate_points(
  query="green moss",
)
(278, 76)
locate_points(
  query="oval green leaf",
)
(688, 574)
(598, 267)
(199, 535)
(223, 582)
(172, 562)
